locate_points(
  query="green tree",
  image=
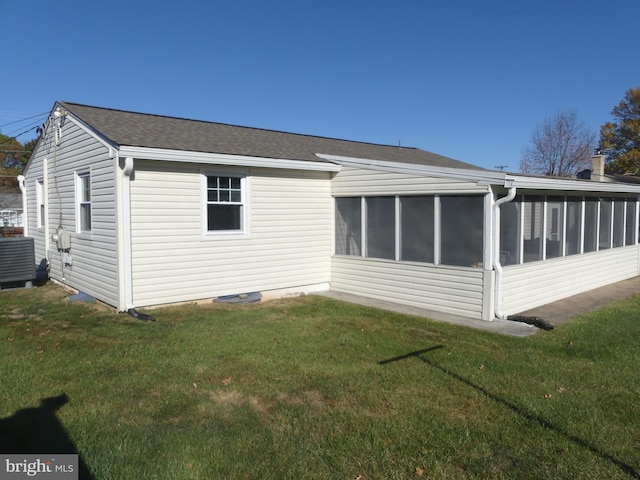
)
(620, 139)
(11, 152)
(561, 146)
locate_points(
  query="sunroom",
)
(560, 243)
(477, 243)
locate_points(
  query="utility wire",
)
(37, 122)
(32, 126)
(22, 120)
(18, 135)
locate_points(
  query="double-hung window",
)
(83, 202)
(226, 204)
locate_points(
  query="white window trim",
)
(245, 188)
(40, 205)
(79, 175)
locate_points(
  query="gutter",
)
(497, 266)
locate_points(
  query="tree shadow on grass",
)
(38, 431)
(628, 469)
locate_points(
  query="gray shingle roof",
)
(155, 131)
(10, 200)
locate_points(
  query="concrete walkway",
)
(555, 313)
(564, 310)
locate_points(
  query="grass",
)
(318, 389)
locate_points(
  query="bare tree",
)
(561, 146)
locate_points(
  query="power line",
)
(15, 137)
(36, 123)
(23, 119)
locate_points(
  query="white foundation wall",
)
(289, 244)
(538, 283)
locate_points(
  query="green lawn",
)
(311, 388)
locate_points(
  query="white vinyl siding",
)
(530, 285)
(289, 245)
(356, 181)
(453, 290)
(94, 254)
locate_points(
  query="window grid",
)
(225, 204)
(224, 190)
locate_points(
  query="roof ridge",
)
(240, 126)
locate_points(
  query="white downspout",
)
(23, 189)
(127, 171)
(497, 266)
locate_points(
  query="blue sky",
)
(468, 79)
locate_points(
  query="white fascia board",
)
(184, 156)
(486, 177)
(544, 183)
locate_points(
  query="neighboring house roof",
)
(124, 128)
(10, 201)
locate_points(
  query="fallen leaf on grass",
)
(419, 471)
(226, 381)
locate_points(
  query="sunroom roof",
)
(491, 177)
